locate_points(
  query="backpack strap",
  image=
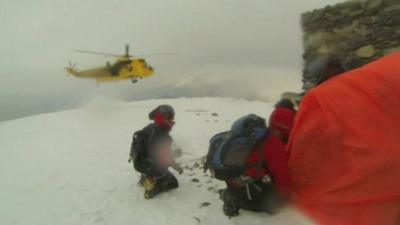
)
(142, 136)
(261, 163)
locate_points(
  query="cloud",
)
(247, 82)
(220, 44)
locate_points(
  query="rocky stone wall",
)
(358, 31)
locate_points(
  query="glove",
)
(177, 167)
(180, 170)
(266, 179)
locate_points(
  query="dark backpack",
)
(228, 151)
(138, 149)
(138, 144)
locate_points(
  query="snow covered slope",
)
(72, 167)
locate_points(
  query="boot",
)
(229, 207)
(141, 180)
(149, 188)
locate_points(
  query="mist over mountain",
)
(223, 48)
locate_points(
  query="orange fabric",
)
(345, 147)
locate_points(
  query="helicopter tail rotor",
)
(70, 68)
(71, 65)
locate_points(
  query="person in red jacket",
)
(266, 181)
(280, 124)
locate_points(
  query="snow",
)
(72, 167)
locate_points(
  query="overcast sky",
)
(216, 41)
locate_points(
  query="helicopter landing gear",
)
(134, 80)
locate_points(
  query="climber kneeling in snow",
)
(151, 152)
(252, 160)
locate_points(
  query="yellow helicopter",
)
(123, 68)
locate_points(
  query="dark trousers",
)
(162, 178)
(165, 181)
(256, 196)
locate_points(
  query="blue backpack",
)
(228, 151)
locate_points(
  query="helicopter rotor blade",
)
(156, 54)
(126, 53)
(98, 53)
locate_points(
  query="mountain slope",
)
(71, 167)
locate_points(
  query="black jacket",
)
(155, 137)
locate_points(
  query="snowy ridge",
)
(71, 167)
(254, 84)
